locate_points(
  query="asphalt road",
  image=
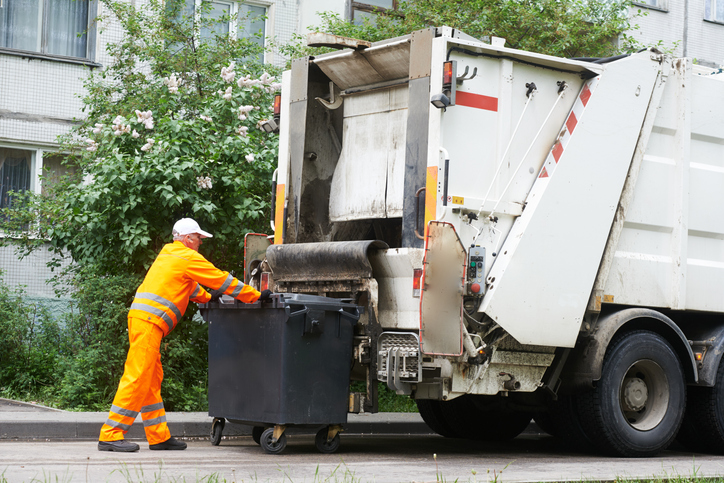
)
(362, 458)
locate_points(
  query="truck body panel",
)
(529, 212)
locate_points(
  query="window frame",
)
(91, 39)
(367, 8)
(234, 12)
(712, 9)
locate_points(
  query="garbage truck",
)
(528, 236)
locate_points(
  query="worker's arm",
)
(199, 295)
(205, 273)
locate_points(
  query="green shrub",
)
(29, 348)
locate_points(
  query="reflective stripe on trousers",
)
(140, 387)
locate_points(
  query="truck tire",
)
(637, 406)
(431, 413)
(565, 424)
(703, 426)
(480, 418)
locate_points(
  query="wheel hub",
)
(635, 394)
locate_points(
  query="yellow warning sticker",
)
(608, 299)
(458, 200)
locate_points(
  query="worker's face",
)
(192, 241)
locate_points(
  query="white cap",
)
(187, 226)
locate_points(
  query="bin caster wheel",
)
(217, 427)
(269, 446)
(256, 433)
(324, 446)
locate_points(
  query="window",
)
(370, 8)
(714, 10)
(56, 27)
(14, 173)
(246, 20)
(55, 169)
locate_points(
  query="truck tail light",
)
(447, 74)
(277, 105)
(264, 284)
(416, 282)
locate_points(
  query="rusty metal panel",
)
(441, 302)
(300, 78)
(421, 53)
(369, 176)
(416, 140)
(351, 68)
(255, 245)
(325, 261)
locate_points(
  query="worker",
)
(175, 278)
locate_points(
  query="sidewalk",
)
(27, 422)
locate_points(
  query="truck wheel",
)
(431, 413)
(638, 404)
(703, 426)
(481, 418)
(256, 433)
(271, 447)
(217, 428)
(545, 422)
(325, 446)
(566, 424)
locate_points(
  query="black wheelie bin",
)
(280, 363)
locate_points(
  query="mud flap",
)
(441, 301)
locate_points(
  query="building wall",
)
(40, 99)
(702, 40)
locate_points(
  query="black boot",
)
(121, 445)
(170, 443)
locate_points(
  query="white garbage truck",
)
(530, 236)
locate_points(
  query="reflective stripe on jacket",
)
(174, 279)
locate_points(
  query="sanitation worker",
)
(174, 279)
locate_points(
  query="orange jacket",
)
(174, 279)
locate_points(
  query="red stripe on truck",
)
(478, 101)
(585, 95)
(571, 122)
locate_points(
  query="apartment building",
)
(692, 28)
(49, 47)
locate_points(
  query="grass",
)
(340, 474)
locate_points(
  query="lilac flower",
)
(227, 73)
(204, 182)
(249, 158)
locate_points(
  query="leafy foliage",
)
(172, 131)
(28, 346)
(565, 28)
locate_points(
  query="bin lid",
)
(317, 301)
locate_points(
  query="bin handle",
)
(354, 316)
(289, 312)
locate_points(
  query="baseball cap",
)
(187, 226)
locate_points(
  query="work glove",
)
(265, 295)
(216, 295)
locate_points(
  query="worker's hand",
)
(216, 295)
(265, 295)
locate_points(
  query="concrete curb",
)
(64, 425)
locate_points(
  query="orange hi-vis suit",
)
(161, 300)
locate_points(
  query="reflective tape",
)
(160, 300)
(155, 311)
(116, 424)
(226, 284)
(237, 289)
(196, 291)
(154, 421)
(123, 411)
(152, 407)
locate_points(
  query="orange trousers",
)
(140, 387)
